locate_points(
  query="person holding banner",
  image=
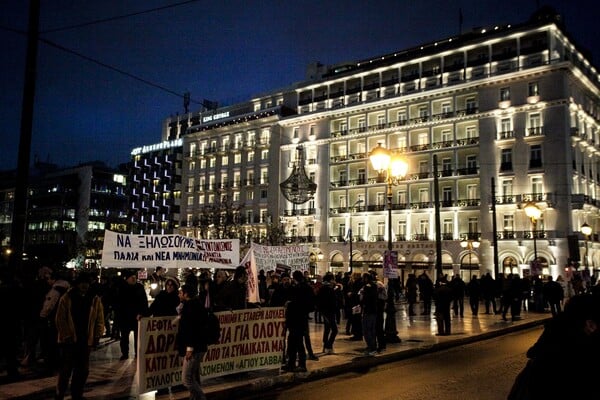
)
(191, 343)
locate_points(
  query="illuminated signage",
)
(158, 146)
(215, 117)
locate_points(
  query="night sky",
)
(225, 51)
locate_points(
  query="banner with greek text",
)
(267, 257)
(123, 250)
(251, 339)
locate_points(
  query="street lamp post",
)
(470, 244)
(350, 264)
(534, 213)
(587, 231)
(395, 168)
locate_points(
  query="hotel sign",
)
(215, 117)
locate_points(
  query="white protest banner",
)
(158, 363)
(267, 257)
(248, 262)
(251, 339)
(123, 250)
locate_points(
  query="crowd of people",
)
(63, 314)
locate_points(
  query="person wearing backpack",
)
(48, 337)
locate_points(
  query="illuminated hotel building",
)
(514, 107)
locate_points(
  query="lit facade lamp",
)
(470, 245)
(350, 264)
(534, 213)
(587, 231)
(395, 168)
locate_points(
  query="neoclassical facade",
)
(489, 121)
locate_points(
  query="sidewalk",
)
(113, 379)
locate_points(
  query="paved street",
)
(111, 378)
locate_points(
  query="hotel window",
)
(264, 193)
(212, 162)
(192, 149)
(402, 117)
(402, 230)
(423, 112)
(533, 89)
(360, 232)
(506, 128)
(224, 180)
(296, 134)
(447, 166)
(264, 216)
(471, 105)
(250, 156)
(224, 161)
(264, 154)
(473, 225)
(202, 183)
(190, 200)
(423, 138)
(380, 229)
(237, 158)
(250, 195)
(211, 199)
(536, 185)
(251, 138)
(447, 196)
(311, 130)
(190, 185)
(236, 196)
(446, 136)
(203, 164)
(424, 227)
(312, 175)
(535, 124)
(249, 216)
(200, 200)
(192, 166)
(505, 94)
(265, 136)
(472, 192)
(264, 176)
(236, 179)
(508, 222)
(423, 195)
(190, 220)
(402, 143)
(507, 188)
(342, 201)
(211, 182)
(401, 197)
(471, 164)
(362, 125)
(447, 227)
(343, 127)
(362, 176)
(250, 178)
(446, 108)
(380, 198)
(381, 121)
(471, 132)
(506, 160)
(535, 156)
(342, 231)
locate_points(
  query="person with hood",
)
(80, 325)
(48, 338)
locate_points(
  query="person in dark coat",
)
(554, 294)
(327, 305)
(191, 342)
(167, 300)
(488, 292)
(425, 292)
(570, 342)
(368, 303)
(442, 295)
(411, 294)
(458, 287)
(132, 305)
(235, 293)
(300, 304)
(474, 291)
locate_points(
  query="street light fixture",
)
(587, 231)
(470, 245)
(534, 213)
(395, 168)
(350, 232)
